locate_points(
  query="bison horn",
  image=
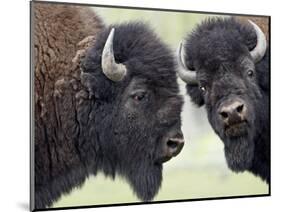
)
(184, 73)
(112, 70)
(258, 52)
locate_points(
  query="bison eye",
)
(202, 88)
(250, 73)
(138, 96)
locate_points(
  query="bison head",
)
(221, 62)
(131, 76)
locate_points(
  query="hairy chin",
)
(239, 153)
(146, 181)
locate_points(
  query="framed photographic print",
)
(139, 105)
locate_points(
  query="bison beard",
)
(147, 181)
(239, 152)
(145, 178)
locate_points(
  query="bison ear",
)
(195, 95)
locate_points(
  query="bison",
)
(112, 106)
(225, 64)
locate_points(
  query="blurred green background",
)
(200, 170)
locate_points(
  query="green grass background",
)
(200, 170)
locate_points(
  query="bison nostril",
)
(172, 144)
(224, 115)
(232, 110)
(239, 109)
(175, 145)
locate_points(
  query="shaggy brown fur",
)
(58, 30)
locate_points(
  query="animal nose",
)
(233, 112)
(174, 145)
(171, 146)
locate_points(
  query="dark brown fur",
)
(57, 31)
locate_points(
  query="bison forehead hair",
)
(134, 115)
(234, 87)
(226, 37)
(144, 54)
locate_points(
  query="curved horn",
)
(258, 52)
(184, 73)
(112, 70)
